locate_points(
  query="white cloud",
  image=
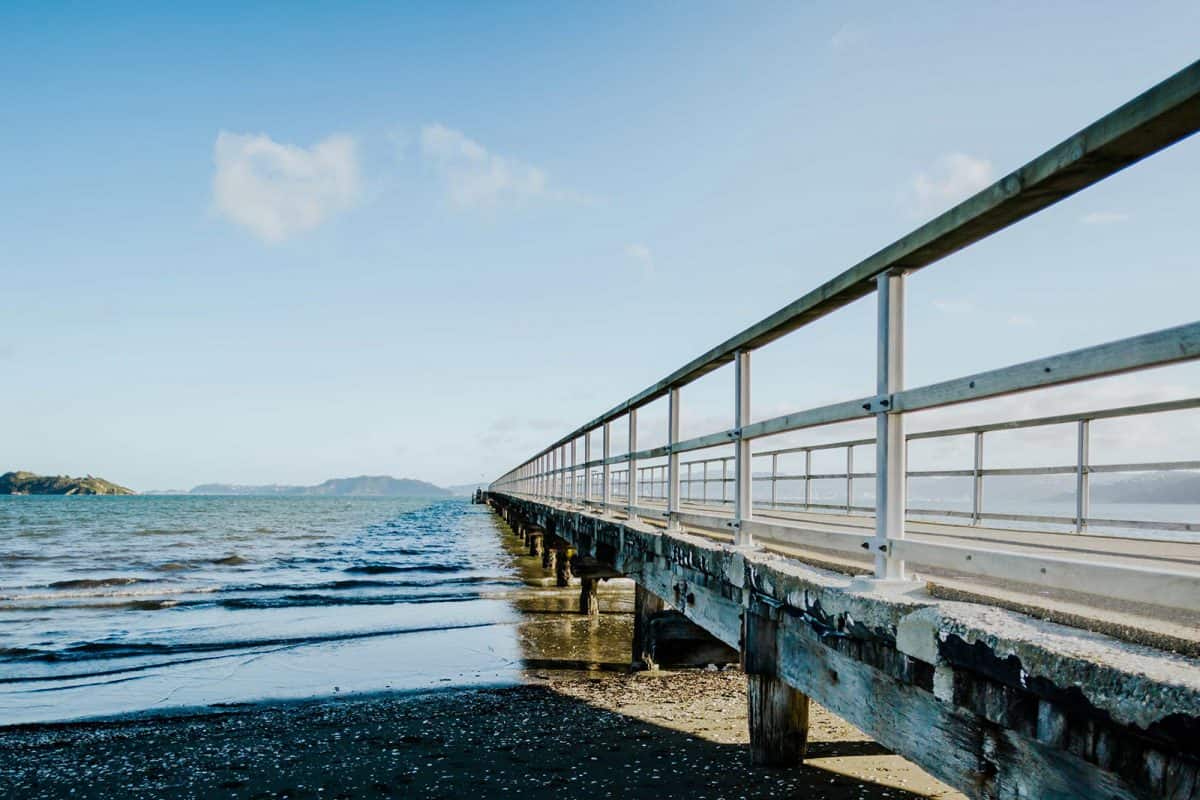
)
(278, 190)
(1104, 218)
(641, 254)
(846, 37)
(954, 177)
(475, 177)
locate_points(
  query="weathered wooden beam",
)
(589, 567)
(676, 641)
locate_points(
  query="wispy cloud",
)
(953, 177)
(846, 37)
(278, 190)
(1104, 218)
(640, 254)
(475, 177)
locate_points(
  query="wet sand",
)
(581, 726)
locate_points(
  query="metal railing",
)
(653, 480)
(1150, 122)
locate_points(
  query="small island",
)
(21, 482)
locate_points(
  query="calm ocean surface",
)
(117, 604)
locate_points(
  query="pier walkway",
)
(1012, 654)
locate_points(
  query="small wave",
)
(84, 595)
(93, 583)
(384, 569)
(109, 650)
(165, 531)
(321, 600)
(231, 560)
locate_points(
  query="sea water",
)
(112, 605)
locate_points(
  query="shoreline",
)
(669, 734)
(572, 722)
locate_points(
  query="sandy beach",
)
(652, 735)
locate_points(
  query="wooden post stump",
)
(562, 568)
(645, 605)
(549, 557)
(589, 603)
(778, 722)
(535, 543)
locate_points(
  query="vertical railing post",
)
(977, 489)
(587, 469)
(573, 490)
(606, 469)
(808, 480)
(891, 467)
(849, 477)
(774, 474)
(633, 478)
(743, 509)
(724, 480)
(704, 482)
(1082, 477)
(672, 459)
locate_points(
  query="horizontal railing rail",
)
(1150, 122)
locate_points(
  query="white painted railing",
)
(1156, 119)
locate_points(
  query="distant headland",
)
(21, 482)
(361, 486)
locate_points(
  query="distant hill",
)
(27, 483)
(362, 486)
(1157, 487)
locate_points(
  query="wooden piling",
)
(549, 557)
(535, 543)
(778, 714)
(778, 722)
(589, 603)
(645, 605)
(562, 567)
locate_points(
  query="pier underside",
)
(995, 703)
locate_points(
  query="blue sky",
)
(306, 240)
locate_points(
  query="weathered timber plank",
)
(965, 750)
